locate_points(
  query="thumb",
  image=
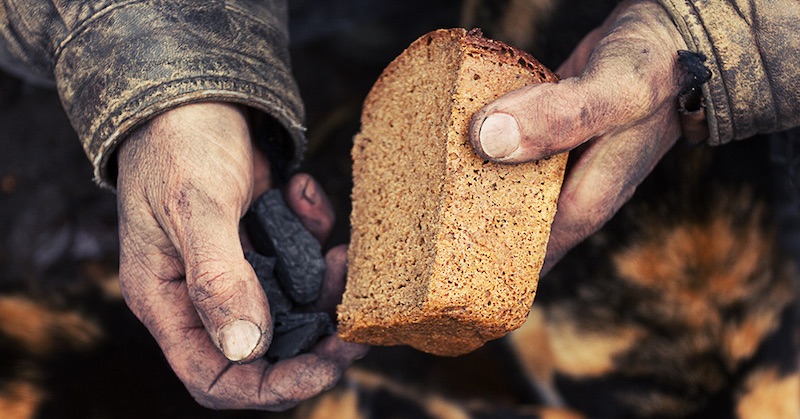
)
(186, 177)
(547, 119)
(224, 288)
(630, 75)
(539, 121)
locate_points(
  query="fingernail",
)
(310, 191)
(500, 135)
(238, 339)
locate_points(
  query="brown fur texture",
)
(687, 297)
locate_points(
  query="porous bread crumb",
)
(446, 248)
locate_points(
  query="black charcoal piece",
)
(264, 266)
(264, 269)
(295, 333)
(290, 321)
(275, 230)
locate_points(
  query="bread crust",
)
(446, 248)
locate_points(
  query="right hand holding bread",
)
(616, 108)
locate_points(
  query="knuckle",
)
(189, 198)
(635, 74)
(212, 288)
(643, 96)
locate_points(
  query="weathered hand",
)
(616, 109)
(185, 180)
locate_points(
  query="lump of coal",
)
(265, 271)
(264, 266)
(295, 333)
(275, 230)
(291, 275)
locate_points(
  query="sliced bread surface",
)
(446, 248)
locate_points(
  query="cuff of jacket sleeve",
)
(133, 61)
(738, 98)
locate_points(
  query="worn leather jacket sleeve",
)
(116, 63)
(752, 50)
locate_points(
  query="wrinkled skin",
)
(182, 269)
(185, 180)
(615, 110)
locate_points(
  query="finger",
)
(163, 306)
(305, 197)
(632, 72)
(286, 383)
(603, 179)
(195, 189)
(222, 285)
(535, 122)
(341, 352)
(210, 377)
(546, 119)
(264, 386)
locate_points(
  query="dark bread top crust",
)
(500, 51)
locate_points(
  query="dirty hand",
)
(185, 180)
(616, 108)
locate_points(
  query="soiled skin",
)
(182, 268)
(180, 207)
(615, 109)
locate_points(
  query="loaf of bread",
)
(446, 248)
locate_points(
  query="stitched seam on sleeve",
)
(680, 11)
(104, 140)
(88, 22)
(717, 74)
(767, 74)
